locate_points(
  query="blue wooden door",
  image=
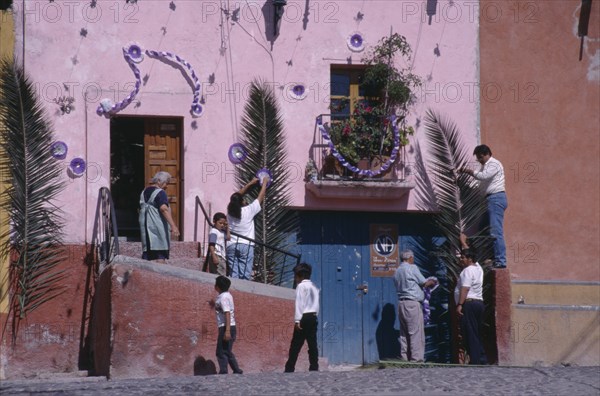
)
(341, 293)
(358, 321)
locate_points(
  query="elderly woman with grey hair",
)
(156, 222)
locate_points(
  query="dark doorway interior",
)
(127, 172)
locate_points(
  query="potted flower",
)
(378, 124)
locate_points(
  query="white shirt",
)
(218, 238)
(471, 277)
(491, 176)
(224, 303)
(307, 299)
(245, 225)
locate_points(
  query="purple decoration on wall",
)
(264, 172)
(133, 54)
(196, 108)
(237, 153)
(59, 150)
(361, 172)
(356, 42)
(77, 166)
(298, 89)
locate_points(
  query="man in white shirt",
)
(491, 178)
(305, 319)
(468, 296)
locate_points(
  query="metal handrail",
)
(266, 278)
(105, 236)
(326, 164)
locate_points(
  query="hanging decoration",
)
(298, 91)
(362, 172)
(262, 173)
(59, 150)
(356, 42)
(134, 54)
(237, 153)
(77, 166)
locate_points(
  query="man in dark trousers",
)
(305, 327)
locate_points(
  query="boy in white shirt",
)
(226, 323)
(305, 318)
(216, 262)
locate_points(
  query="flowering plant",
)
(368, 132)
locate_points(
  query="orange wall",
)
(539, 115)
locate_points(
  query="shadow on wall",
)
(387, 335)
(204, 367)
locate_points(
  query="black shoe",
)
(238, 371)
(499, 265)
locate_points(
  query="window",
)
(346, 90)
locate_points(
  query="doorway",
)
(139, 148)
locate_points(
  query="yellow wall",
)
(559, 323)
(7, 44)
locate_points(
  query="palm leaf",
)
(33, 239)
(459, 203)
(263, 135)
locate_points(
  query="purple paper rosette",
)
(135, 52)
(298, 91)
(237, 153)
(59, 150)
(262, 173)
(77, 166)
(356, 42)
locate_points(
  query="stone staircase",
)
(186, 255)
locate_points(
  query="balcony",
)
(381, 177)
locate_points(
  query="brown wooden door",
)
(162, 152)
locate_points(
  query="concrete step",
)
(183, 250)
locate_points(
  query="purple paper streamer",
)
(196, 107)
(362, 172)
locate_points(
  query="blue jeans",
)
(224, 352)
(240, 259)
(497, 204)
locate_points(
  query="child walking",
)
(305, 327)
(216, 262)
(226, 324)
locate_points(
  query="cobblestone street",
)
(460, 380)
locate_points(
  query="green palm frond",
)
(263, 136)
(33, 237)
(458, 199)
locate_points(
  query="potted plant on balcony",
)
(377, 130)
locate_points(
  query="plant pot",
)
(374, 165)
(331, 169)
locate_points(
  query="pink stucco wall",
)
(74, 44)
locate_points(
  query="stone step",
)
(178, 250)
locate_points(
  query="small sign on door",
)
(384, 249)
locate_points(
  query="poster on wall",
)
(384, 249)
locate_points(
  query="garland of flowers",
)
(133, 54)
(362, 172)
